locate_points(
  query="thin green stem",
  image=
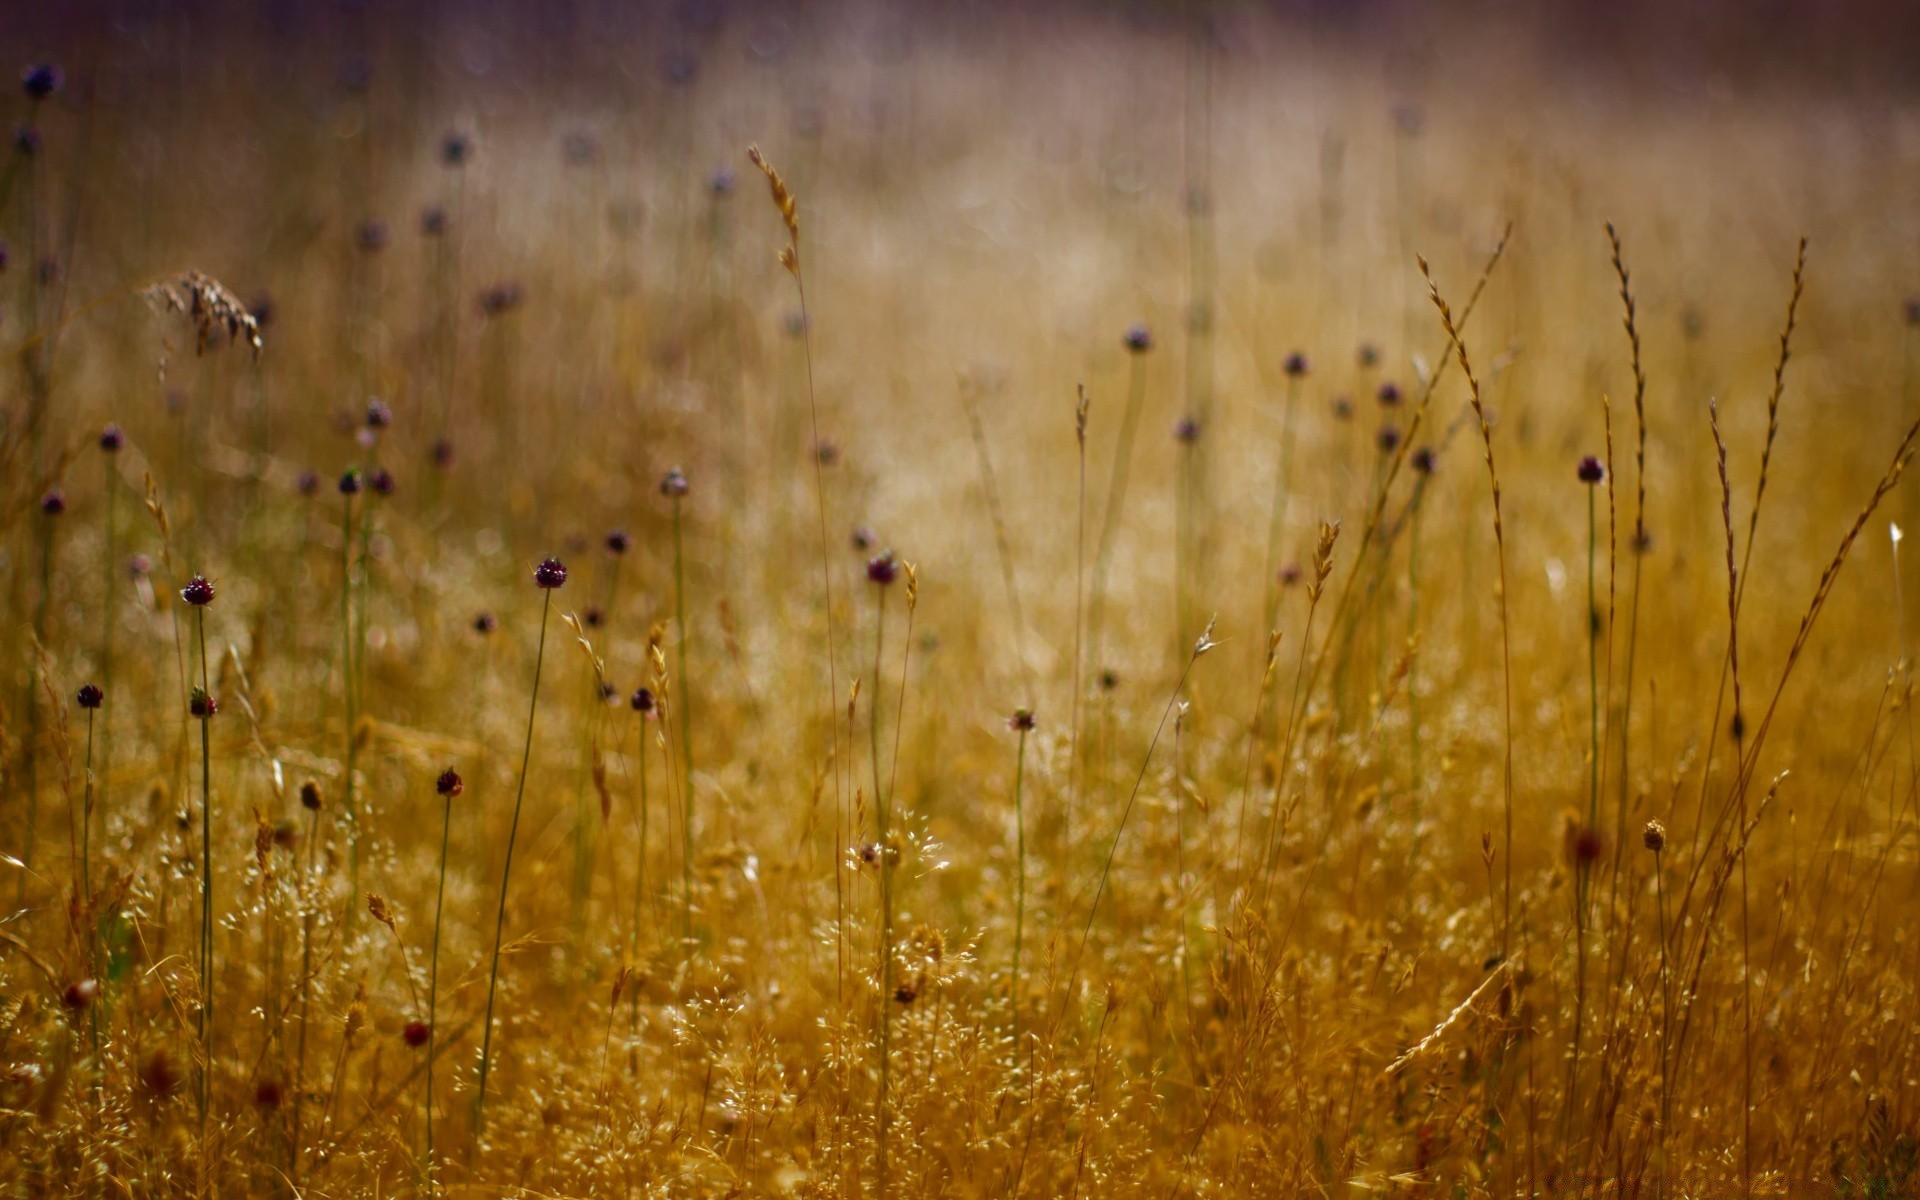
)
(506, 872)
(206, 880)
(1020, 879)
(686, 723)
(1282, 482)
(86, 897)
(884, 819)
(347, 684)
(108, 617)
(1116, 501)
(433, 985)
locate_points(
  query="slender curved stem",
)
(506, 872)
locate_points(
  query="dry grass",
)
(803, 900)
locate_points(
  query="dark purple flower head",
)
(580, 148)
(381, 481)
(350, 482)
(310, 796)
(1591, 471)
(1388, 439)
(680, 67)
(1368, 356)
(1423, 460)
(379, 416)
(828, 453)
(1585, 845)
(485, 623)
(642, 701)
(863, 539)
(449, 784)
(111, 439)
(1187, 430)
(618, 542)
(202, 705)
(356, 73)
(593, 618)
(720, 183)
(499, 299)
(883, 568)
(1912, 309)
(433, 221)
(550, 574)
(139, 566)
(1138, 338)
(674, 484)
(26, 139)
(1021, 721)
(455, 148)
(5, 255)
(1693, 323)
(1295, 365)
(371, 235)
(41, 80)
(308, 483)
(261, 310)
(198, 592)
(1343, 408)
(90, 696)
(53, 502)
(1289, 574)
(415, 1033)
(1389, 394)
(81, 994)
(443, 453)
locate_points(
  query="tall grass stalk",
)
(1003, 548)
(349, 486)
(449, 786)
(883, 819)
(1283, 477)
(110, 613)
(85, 901)
(506, 870)
(1116, 503)
(675, 487)
(1079, 607)
(788, 206)
(1201, 645)
(1022, 722)
(207, 1019)
(1506, 631)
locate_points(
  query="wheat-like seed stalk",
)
(1461, 1009)
(1506, 632)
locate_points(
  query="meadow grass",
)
(1303, 900)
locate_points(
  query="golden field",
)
(1050, 634)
